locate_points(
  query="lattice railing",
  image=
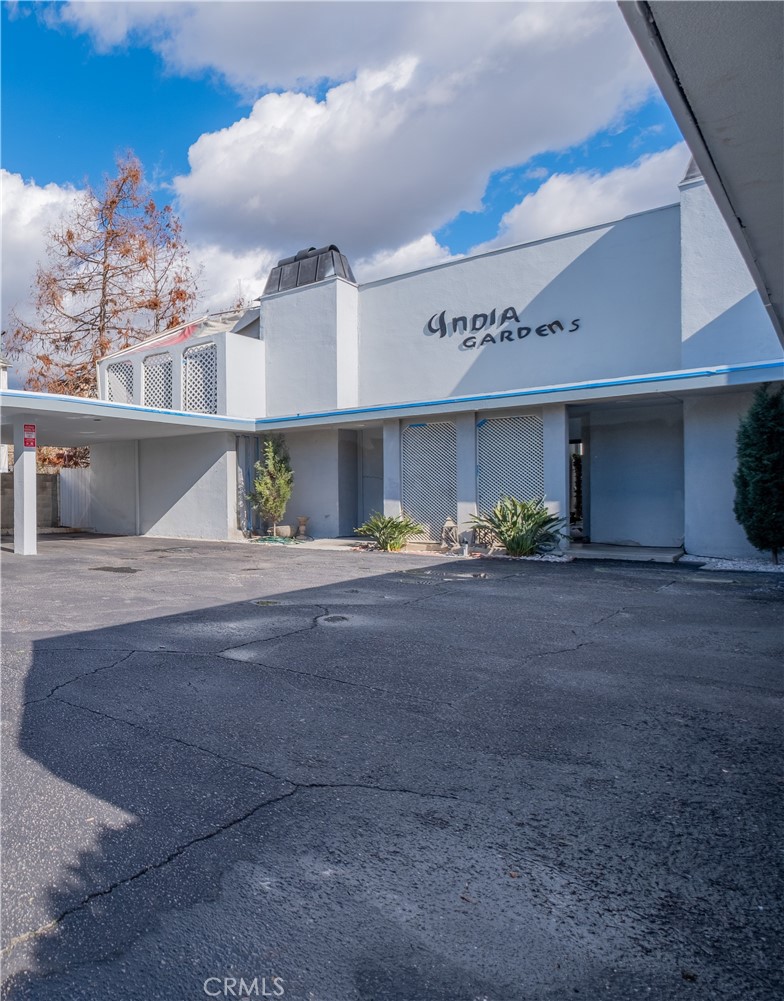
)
(510, 459)
(200, 379)
(119, 382)
(429, 475)
(158, 381)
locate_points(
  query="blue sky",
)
(406, 132)
(67, 108)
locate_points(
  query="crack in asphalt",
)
(201, 839)
(351, 684)
(175, 740)
(256, 768)
(78, 677)
(296, 787)
(303, 629)
(96, 894)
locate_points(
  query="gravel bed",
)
(758, 566)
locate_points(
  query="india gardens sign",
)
(496, 327)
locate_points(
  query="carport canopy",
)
(33, 419)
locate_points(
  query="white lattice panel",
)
(510, 460)
(119, 382)
(200, 379)
(158, 381)
(429, 475)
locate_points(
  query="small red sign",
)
(29, 436)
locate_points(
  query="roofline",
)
(685, 379)
(458, 403)
(641, 22)
(518, 246)
(151, 341)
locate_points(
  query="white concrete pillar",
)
(465, 426)
(392, 470)
(176, 356)
(137, 397)
(346, 345)
(25, 506)
(556, 463)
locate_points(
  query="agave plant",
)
(522, 527)
(390, 533)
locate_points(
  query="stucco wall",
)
(636, 476)
(244, 376)
(113, 501)
(621, 281)
(188, 487)
(710, 424)
(300, 337)
(314, 459)
(724, 320)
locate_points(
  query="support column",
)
(392, 471)
(25, 506)
(178, 402)
(556, 463)
(465, 426)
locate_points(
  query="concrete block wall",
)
(47, 489)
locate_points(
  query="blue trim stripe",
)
(107, 404)
(515, 393)
(258, 424)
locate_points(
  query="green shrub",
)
(759, 480)
(390, 533)
(274, 481)
(522, 527)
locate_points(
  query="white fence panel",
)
(200, 379)
(429, 475)
(75, 491)
(510, 459)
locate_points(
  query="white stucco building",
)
(638, 343)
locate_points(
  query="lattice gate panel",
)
(119, 382)
(200, 379)
(510, 460)
(158, 389)
(429, 475)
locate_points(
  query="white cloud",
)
(402, 148)
(29, 211)
(421, 253)
(260, 45)
(568, 202)
(226, 276)
(435, 97)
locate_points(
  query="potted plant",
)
(273, 482)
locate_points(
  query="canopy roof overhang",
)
(720, 67)
(68, 421)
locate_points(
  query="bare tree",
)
(117, 271)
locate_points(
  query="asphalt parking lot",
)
(334, 776)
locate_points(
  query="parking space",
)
(350, 775)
